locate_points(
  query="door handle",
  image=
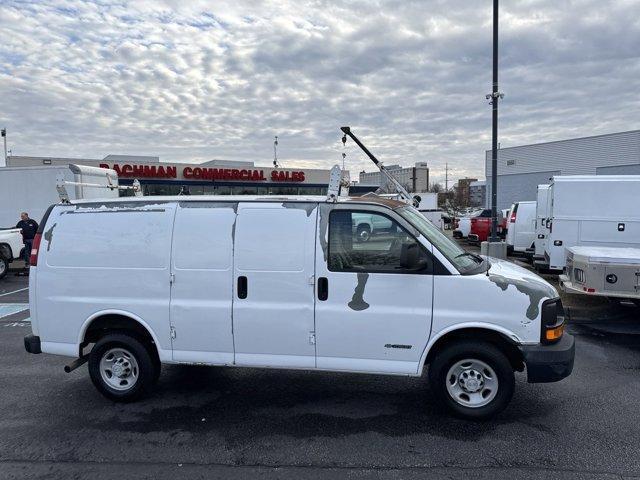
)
(323, 288)
(242, 287)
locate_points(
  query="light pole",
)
(495, 96)
(4, 138)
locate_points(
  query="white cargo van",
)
(591, 210)
(521, 228)
(285, 283)
(543, 207)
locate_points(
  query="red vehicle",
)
(481, 226)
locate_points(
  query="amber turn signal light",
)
(553, 334)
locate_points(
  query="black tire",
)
(4, 267)
(484, 352)
(147, 371)
(156, 363)
(363, 233)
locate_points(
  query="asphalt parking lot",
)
(245, 423)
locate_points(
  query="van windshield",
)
(465, 262)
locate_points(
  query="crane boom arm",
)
(400, 189)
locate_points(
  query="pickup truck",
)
(365, 225)
(481, 226)
(10, 248)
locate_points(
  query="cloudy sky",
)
(196, 80)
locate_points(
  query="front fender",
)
(464, 326)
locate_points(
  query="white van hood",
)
(505, 275)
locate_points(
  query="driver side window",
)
(362, 241)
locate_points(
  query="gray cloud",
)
(191, 81)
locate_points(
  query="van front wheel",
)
(121, 368)
(473, 380)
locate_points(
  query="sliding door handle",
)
(242, 287)
(323, 288)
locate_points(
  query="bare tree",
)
(436, 188)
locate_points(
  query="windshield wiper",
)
(472, 255)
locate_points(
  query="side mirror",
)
(411, 258)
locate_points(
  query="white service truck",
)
(591, 210)
(286, 283)
(612, 272)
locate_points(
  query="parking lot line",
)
(15, 291)
(12, 308)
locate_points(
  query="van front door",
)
(374, 294)
(273, 306)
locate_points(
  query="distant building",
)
(477, 193)
(414, 179)
(521, 169)
(462, 191)
(215, 177)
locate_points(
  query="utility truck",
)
(611, 272)
(591, 210)
(284, 283)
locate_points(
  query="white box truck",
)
(33, 189)
(591, 210)
(285, 283)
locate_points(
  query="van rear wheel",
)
(121, 368)
(473, 380)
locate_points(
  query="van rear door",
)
(273, 304)
(202, 273)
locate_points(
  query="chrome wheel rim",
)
(364, 235)
(3, 266)
(472, 383)
(119, 369)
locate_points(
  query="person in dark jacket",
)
(29, 228)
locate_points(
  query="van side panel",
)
(201, 293)
(95, 259)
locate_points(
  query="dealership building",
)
(216, 177)
(521, 169)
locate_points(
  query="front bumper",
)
(549, 363)
(32, 344)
